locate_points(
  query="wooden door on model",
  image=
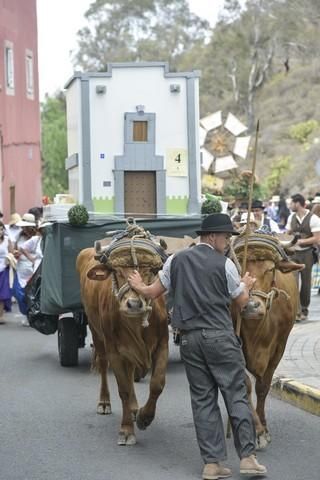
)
(140, 194)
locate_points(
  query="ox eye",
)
(270, 270)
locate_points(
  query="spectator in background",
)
(12, 230)
(37, 212)
(316, 199)
(273, 207)
(244, 220)
(5, 295)
(316, 209)
(24, 268)
(315, 274)
(282, 214)
(262, 219)
(32, 248)
(307, 225)
(236, 215)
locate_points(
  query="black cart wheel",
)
(68, 342)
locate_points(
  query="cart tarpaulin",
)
(46, 324)
(60, 287)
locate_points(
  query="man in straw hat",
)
(203, 282)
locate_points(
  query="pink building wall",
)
(20, 167)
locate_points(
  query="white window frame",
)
(29, 74)
(9, 67)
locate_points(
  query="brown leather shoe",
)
(250, 467)
(214, 471)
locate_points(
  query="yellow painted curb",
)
(296, 393)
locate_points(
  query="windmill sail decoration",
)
(227, 142)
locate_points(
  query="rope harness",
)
(266, 248)
(132, 234)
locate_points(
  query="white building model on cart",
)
(133, 140)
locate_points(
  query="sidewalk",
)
(297, 378)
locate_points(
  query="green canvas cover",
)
(60, 287)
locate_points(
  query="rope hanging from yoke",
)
(133, 232)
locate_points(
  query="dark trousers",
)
(214, 361)
(305, 257)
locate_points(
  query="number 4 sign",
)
(177, 162)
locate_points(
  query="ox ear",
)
(98, 272)
(287, 267)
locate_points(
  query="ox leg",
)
(158, 379)
(100, 363)
(124, 373)
(262, 389)
(259, 427)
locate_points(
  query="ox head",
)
(117, 265)
(265, 289)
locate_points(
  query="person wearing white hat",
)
(24, 269)
(32, 248)
(12, 229)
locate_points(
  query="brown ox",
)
(266, 323)
(128, 333)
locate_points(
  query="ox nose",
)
(134, 303)
(251, 306)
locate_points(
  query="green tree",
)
(138, 30)
(238, 187)
(279, 168)
(54, 144)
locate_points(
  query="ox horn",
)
(101, 247)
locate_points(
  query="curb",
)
(297, 394)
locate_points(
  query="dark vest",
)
(302, 228)
(199, 289)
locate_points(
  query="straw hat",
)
(244, 218)
(14, 219)
(28, 220)
(316, 199)
(275, 198)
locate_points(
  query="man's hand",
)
(148, 291)
(248, 280)
(135, 281)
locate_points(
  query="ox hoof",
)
(104, 408)
(262, 441)
(126, 440)
(142, 421)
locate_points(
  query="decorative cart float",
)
(53, 293)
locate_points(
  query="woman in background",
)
(24, 270)
(282, 214)
(5, 294)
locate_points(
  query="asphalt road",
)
(49, 429)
